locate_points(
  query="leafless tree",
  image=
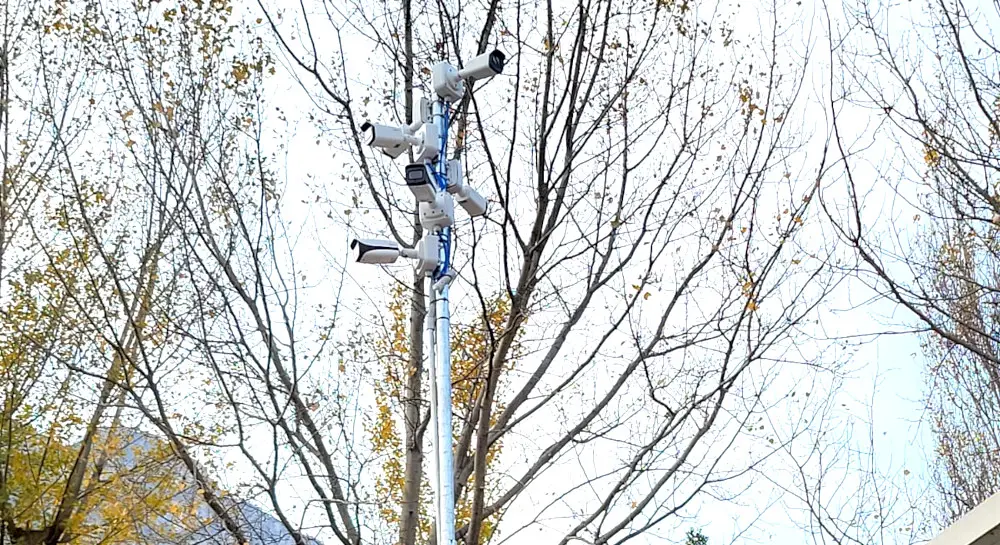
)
(128, 104)
(927, 77)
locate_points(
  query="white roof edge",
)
(981, 526)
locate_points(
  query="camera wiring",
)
(440, 171)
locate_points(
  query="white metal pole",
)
(446, 472)
(430, 347)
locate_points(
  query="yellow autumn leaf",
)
(931, 157)
(240, 71)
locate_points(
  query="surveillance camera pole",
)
(440, 359)
(434, 186)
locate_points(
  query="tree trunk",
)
(409, 516)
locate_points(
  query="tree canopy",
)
(689, 205)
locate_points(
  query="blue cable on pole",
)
(442, 164)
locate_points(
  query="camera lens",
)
(497, 59)
(369, 132)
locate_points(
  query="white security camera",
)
(435, 209)
(393, 140)
(484, 66)
(473, 203)
(470, 199)
(376, 252)
(421, 181)
(385, 252)
(447, 81)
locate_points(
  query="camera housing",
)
(394, 140)
(435, 209)
(484, 66)
(473, 203)
(375, 251)
(468, 198)
(385, 252)
(421, 181)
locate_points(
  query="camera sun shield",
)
(375, 251)
(420, 180)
